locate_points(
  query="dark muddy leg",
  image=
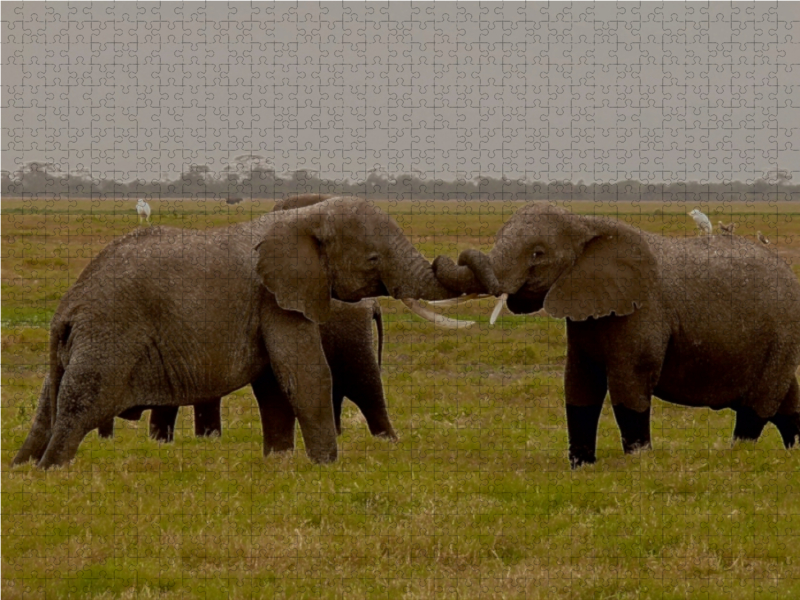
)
(634, 427)
(106, 430)
(39, 436)
(585, 388)
(277, 414)
(207, 418)
(788, 418)
(162, 423)
(748, 425)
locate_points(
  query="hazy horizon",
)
(541, 92)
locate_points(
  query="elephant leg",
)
(162, 423)
(630, 384)
(82, 407)
(207, 418)
(748, 425)
(585, 389)
(366, 392)
(788, 418)
(39, 435)
(106, 430)
(338, 401)
(299, 365)
(277, 414)
(634, 428)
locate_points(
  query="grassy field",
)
(476, 500)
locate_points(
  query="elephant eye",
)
(537, 254)
(373, 258)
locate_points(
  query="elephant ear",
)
(612, 275)
(291, 265)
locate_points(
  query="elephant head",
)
(343, 249)
(571, 265)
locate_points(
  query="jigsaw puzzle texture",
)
(400, 300)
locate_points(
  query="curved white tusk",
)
(459, 300)
(501, 302)
(435, 318)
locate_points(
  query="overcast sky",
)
(599, 92)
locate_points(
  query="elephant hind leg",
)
(106, 429)
(788, 418)
(162, 423)
(84, 403)
(277, 414)
(208, 418)
(39, 436)
(748, 426)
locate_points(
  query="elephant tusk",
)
(501, 302)
(459, 300)
(435, 318)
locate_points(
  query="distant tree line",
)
(251, 177)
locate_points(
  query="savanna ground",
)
(476, 500)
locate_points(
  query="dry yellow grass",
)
(476, 500)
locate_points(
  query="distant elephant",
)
(711, 321)
(347, 341)
(164, 316)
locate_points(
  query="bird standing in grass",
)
(762, 238)
(702, 222)
(143, 210)
(727, 229)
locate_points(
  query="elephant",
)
(165, 316)
(709, 322)
(347, 342)
(353, 324)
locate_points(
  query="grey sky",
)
(599, 92)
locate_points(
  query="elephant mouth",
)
(367, 291)
(524, 302)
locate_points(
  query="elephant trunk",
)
(473, 274)
(413, 277)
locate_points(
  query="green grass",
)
(476, 500)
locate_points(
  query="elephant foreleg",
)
(300, 366)
(338, 401)
(585, 388)
(207, 418)
(277, 414)
(634, 428)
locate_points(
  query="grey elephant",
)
(711, 321)
(164, 316)
(347, 341)
(354, 373)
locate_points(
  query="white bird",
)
(762, 238)
(702, 222)
(143, 210)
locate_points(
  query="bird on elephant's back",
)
(165, 316)
(711, 321)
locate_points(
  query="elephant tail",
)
(59, 335)
(377, 316)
